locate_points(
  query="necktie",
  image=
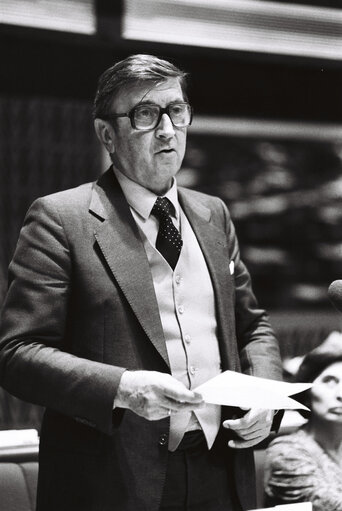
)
(169, 241)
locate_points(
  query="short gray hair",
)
(136, 69)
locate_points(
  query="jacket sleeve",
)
(34, 364)
(258, 348)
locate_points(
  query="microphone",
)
(335, 294)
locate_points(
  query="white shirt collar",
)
(141, 199)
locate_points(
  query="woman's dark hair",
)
(314, 363)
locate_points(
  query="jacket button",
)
(163, 439)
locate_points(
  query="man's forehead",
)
(149, 91)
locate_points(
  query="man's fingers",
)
(161, 408)
(239, 425)
(181, 394)
(253, 420)
(242, 428)
(151, 394)
(252, 428)
(183, 402)
(244, 444)
(254, 434)
(184, 407)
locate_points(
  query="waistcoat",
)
(187, 309)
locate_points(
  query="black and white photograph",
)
(171, 255)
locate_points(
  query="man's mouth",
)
(165, 151)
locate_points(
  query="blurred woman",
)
(307, 465)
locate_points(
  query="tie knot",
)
(163, 207)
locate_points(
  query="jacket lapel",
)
(213, 242)
(119, 240)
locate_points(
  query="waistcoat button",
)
(163, 439)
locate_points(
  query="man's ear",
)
(105, 133)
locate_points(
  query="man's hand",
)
(155, 395)
(252, 428)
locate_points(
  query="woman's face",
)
(326, 394)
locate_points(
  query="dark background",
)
(47, 143)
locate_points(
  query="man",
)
(124, 296)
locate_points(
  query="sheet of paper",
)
(235, 389)
(302, 506)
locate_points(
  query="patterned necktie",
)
(169, 241)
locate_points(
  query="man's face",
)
(150, 158)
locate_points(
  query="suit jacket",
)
(80, 309)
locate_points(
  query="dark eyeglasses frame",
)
(162, 111)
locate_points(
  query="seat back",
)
(18, 485)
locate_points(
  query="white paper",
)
(235, 389)
(301, 506)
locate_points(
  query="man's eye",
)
(146, 112)
(177, 109)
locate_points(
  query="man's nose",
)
(165, 128)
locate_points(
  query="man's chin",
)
(160, 185)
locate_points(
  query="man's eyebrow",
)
(149, 102)
(146, 102)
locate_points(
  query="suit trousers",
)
(198, 479)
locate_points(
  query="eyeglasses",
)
(148, 116)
